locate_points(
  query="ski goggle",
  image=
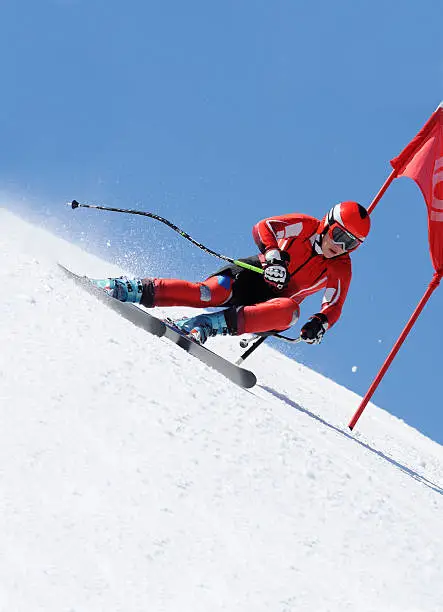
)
(343, 238)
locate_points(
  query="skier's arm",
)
(337, 286)
(339, 278)
(268, 232)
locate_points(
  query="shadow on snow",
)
(415, 475)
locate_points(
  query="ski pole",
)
(259, 339)
(74, 204)
(251, 349)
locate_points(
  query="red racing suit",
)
(309, 271)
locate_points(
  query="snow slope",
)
(133, 478)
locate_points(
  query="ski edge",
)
(238, 375)
(131, 312)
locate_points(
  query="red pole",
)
(432, 286)
(381, 193)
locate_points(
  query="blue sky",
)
(216, 115)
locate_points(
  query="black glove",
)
(313, 331)
(276, 268)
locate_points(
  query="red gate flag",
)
(422, 161)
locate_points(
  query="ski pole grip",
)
(242, 264)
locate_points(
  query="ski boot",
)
(203, 326)
(123, 288)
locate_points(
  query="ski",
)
(131, 312)
(240, 376)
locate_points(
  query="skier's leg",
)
(149, 292)
(230, 285)
(275, 314)
(214, 291)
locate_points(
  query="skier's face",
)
(330, 248)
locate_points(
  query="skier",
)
(299, 254)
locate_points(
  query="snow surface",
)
(134, 478)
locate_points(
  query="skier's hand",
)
(276, 268)
(313, 331)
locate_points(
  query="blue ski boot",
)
(201, 327)
(123, 289)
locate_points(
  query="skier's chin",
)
(331, 253)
